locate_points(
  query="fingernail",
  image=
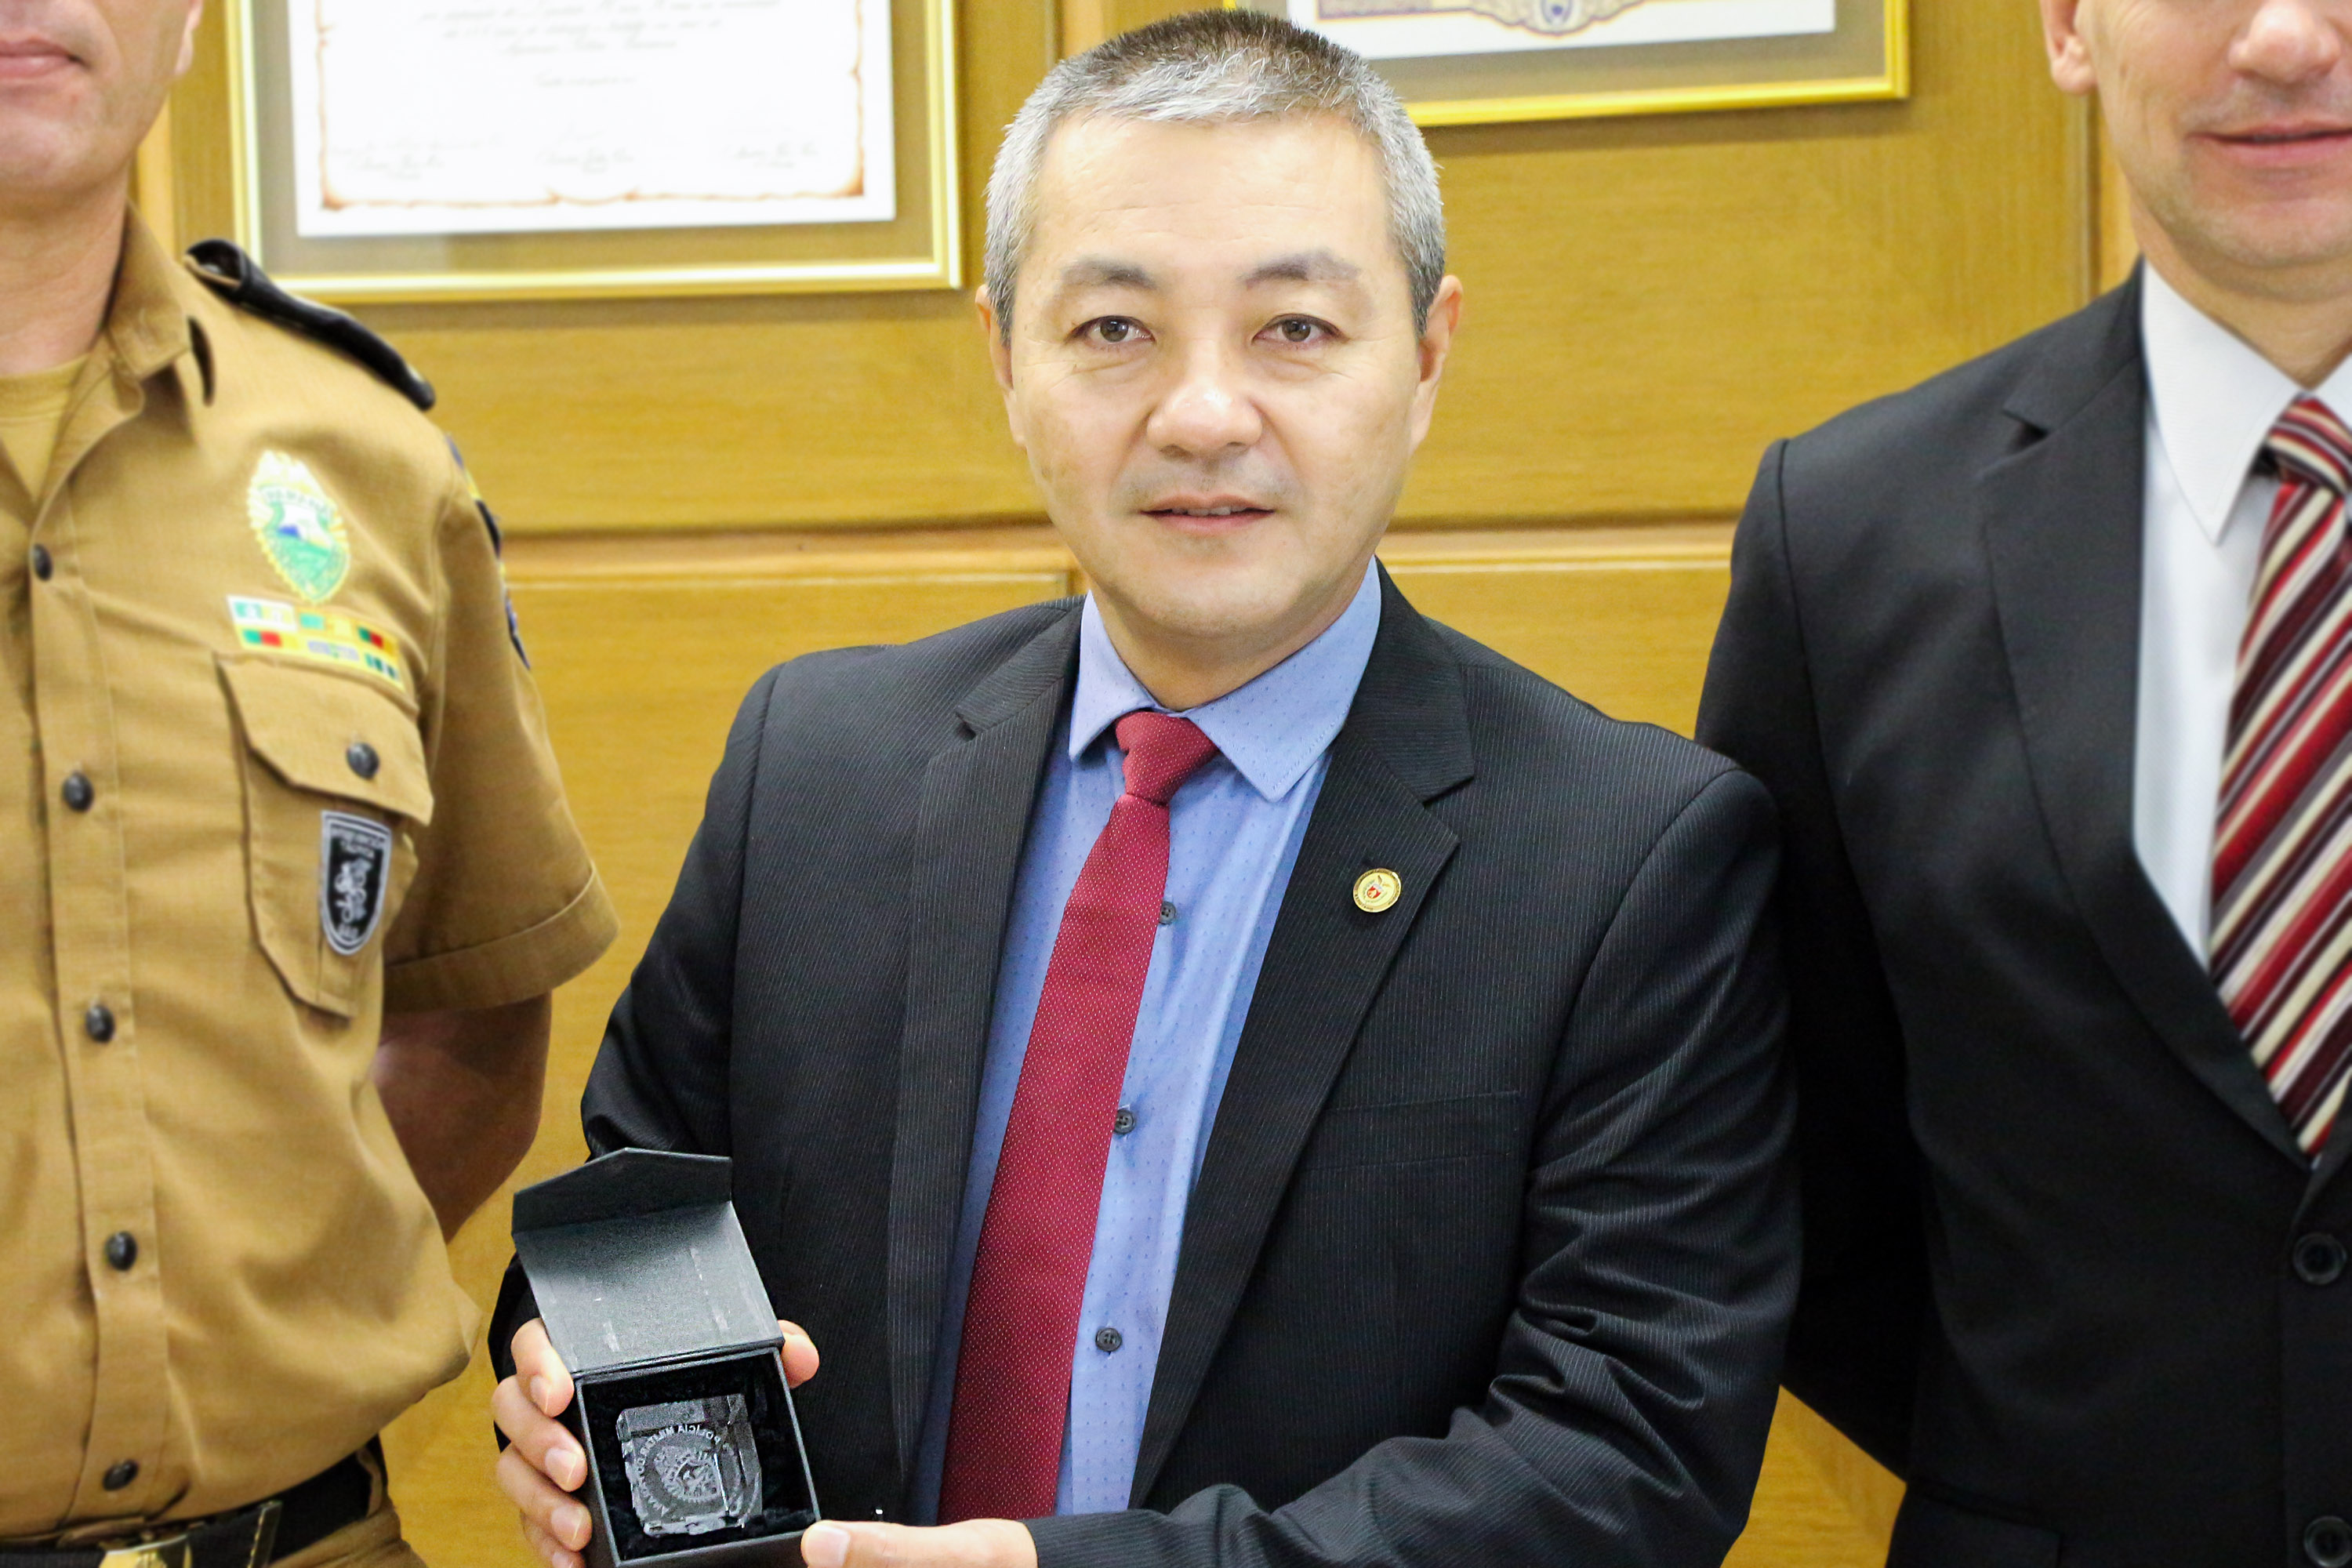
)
(825, 1545)
(575, 1470)
(539, 1390)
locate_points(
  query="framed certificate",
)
(389, 150)
(1467, 62)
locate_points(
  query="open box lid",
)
(637, 1257)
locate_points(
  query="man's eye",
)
(1298, 330)
(1115, 330)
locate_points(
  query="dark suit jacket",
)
(2050, 1210)
(1493, 1244)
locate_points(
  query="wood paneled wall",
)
(697, 488)
(1648, 301)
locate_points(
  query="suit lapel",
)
(976, 801)
(1405, 743)
(2062, 522)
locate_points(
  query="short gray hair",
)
(1214, 67)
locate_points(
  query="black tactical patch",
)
(354, 869)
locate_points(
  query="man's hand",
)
(974, 1543)
(543, 1465)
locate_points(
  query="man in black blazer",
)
(1483, 1248)
(2074, 1223)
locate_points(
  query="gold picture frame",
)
(919, 248)
(1865, 56)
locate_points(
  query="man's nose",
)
(1207, 409)
(2290, 41)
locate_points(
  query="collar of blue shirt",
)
(1273, 729)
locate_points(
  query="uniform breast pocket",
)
(335, 788)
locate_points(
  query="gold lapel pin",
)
(1377, 890)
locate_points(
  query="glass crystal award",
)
(693, 1465)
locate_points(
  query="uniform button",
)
(1167, 913)
(1110, 1339)
(41, 567)
(99, 1022)
(121, 1475)
(78, 791)
(362, 759)
(122, 1250)
(2327, 1541)
(2319, 1261)
(1124, 1122)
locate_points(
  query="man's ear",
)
(1000, 347)
(1000, 359)
(2070, 55)
(1436, 344)
(188, 39)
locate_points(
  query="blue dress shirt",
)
(1234, 829)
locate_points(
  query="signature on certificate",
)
(1554, 18)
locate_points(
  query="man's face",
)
(81, 81)
(1215, 371)
(2231, 121)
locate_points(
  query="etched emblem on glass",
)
(693, 1466)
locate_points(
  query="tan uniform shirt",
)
(32, 407)
(269, 765)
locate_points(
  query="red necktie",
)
(2281, 942)
(1021, 1322)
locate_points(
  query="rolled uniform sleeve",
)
(506, 904)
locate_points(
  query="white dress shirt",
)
(2213, 400)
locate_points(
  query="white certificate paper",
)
(533, 116)
(1404, 29)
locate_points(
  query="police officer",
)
(286, 871)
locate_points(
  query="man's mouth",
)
(23, 57)
(2287, 135)
(1208, 509)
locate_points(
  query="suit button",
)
(2319, 1261)
(98, 1022)
(125, 1471)
(77, 792)
(2327, 1542)
(41, 567)
(1110, 1339)
(122, 1251)
(362, 759)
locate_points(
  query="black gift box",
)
(650, 1296)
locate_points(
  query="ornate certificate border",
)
(1866, 58)
(920, 248)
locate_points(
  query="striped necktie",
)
(2281, 942)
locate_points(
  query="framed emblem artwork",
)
(1468, 62)
(412, 149)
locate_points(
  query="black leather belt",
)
(252, 1537)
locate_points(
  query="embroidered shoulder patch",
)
(354, 867)
(326, 637)
(497, 550)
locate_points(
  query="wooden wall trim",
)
(802, 553)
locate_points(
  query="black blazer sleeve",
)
(1633, 1384)
(1853, 1348)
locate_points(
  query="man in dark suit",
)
(2045, 663)
(1229, 1071)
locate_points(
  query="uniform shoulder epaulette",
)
(236, 278)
